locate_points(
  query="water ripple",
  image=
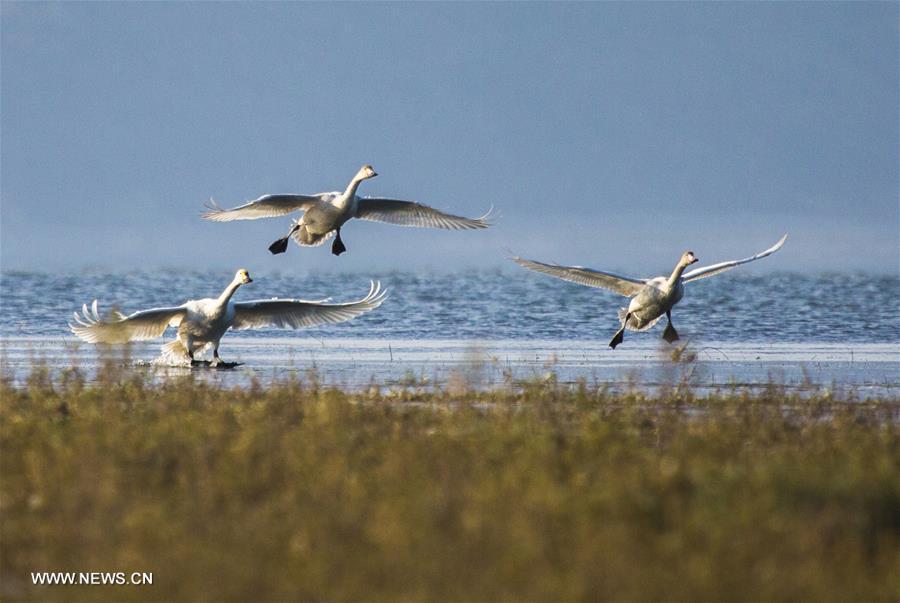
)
(495, 304)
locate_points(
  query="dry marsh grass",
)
(298, 492)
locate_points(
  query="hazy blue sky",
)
(612, 135)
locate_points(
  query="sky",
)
(612, 135)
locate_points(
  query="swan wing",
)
(706, 271)
(409, 213)
(295, 313)
(623, 285)
(267, 206)
(118, 328)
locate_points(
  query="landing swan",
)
(203, 322)
(651, 297)
(325, 213)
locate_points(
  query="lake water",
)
(493, 327)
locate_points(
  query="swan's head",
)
(242, 276)
(688, 258)
(366, 172)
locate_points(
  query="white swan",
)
(203, 322)
(325, 213)
(651, 297)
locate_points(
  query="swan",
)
(203, 322)
(325, 213)
(650, 297)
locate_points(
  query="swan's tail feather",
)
(630, 325)
(174, 351)
(633, 321)
(302, 236)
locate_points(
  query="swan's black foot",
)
(618, 338)
(670, 334)
(337, 248)
(279, 246)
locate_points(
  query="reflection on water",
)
(868, 369)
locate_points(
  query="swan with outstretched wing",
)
(203, 322)
(325, 213)
(650, 297)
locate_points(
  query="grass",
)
(294, 491)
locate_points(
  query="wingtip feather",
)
(489, 218)
(214, 212)
(776, 246)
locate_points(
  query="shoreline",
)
(870, 370)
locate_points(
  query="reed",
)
(534, 492)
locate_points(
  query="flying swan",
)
(325, 213)
(203, 322)
(651, 297)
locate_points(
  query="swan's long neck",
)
(676, 274)
(350, 193)
(228, 292)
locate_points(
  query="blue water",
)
(489, 329)
(499, 304)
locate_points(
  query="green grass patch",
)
(541, 493)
